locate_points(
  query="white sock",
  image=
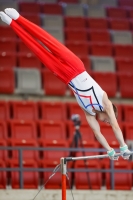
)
(12, 13)
(5, 18)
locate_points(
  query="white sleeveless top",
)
(88, 93)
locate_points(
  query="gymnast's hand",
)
(124, 151)
(112, 155)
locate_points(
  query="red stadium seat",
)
(85, 130)
(8, 45)
(3, 179)
(81, 178)
(8, 60)
(49, 155)
(73, 35)
(33, 18)
(55, 9)
(27, 154)
(24, 110)
(52, 130)
(108, 133)
(23, 48)
(124, 65)
(116, 12)
(3, 153)
(28, 60)
(55, 181)
(97, 23)
(75, 22)
(3, 130)
(127, 3)
(125, 84)
(52, 85)
(128, 131)
(29, 8)
(78, 48)
(74, 108)
(99, 36)
(119, 24)
(30, 178)
(7, 33)
(123, 181)
(128, 112)
(53, 110)
(87, 63)
(124, 51)
(23, 129)
(7, 81)
(111, 82)
(4, 110)
(101, 49)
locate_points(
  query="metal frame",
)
(63, 162)
(21, 169)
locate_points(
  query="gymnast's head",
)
(103, 116)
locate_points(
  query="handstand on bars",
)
(63, 162)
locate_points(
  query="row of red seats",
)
(98, 23)
(31, 110)
(86, 48)
(114, 82)
(11, 60)
(79, 23)
(55, 134)
(50, 130)
(47, 8)
(31, 179)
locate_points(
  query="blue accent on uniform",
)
(95, 104)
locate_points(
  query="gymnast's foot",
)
(5, 18)
(11, 12)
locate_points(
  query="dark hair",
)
(115, 110)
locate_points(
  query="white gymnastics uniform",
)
(88, 93)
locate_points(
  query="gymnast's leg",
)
(48, 59)
(58, 49)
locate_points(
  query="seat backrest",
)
(52, 85)
(27, 154)
(100, 63)
(30, 178)
(53, 21)
(75, 10)
(8, 60)
(107, 77)
(56, 32)
(51, 129)
(96, 12)
(121, 37)
(4, 110)
(128, 113)
(28, 81)
(3, 130)
(7, 81)
(53, 110)
(23, 129)
(24, 110)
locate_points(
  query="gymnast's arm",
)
(96, 130)
(112, 119)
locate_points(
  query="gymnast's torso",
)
(88, 93)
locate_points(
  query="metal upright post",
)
(63, 172)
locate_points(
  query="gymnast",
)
(70, 69)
